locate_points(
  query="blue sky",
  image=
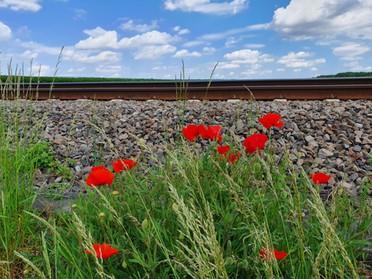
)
(256, 39)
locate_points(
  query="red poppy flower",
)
(210, 132)
(103, 251)
(223, 149)
(121, 165)
(233, 157)
(190, 132)
(99, 176)
(320, 177)
(268, 254)
(270, 120)
(255, 143)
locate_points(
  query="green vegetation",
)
(347, 74)
(45, 79)
(192, 216)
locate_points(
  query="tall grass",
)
(189, 216)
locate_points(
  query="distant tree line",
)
(28, 79)
(348, 74)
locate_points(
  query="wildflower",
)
(233, 157)
(255, 143)
(121, 165)
(210, 132)
(270, 120)
(103, 251)
(223, 149)
(99, 176)
(190, 132)
(320, 177)
(268, 254)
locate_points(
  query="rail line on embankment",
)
(290, 89)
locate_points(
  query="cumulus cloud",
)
(105, 56)
(206, 6)
(101, 39)
(153, 52)
(40, 70)
(248, 56)
(17, 5)
(148, 38)
(140, 28)
(40, 48)
(300, 60)
(186, 53)
(98, 39)
(5, 32)
(349, 51)
(181, 31)
(306, 19)
(355, 66)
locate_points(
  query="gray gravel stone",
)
(335, 137)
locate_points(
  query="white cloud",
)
(5, 32)
(108, 69)
(101, 39)
(80, 14)
(300, 60)
(306, 19)
(231, 41)
(193, 43)
(17, 5)
(225, 65)
(350, 50)
(209, 50)
(40, 70)
(148, 38)
(356, 67)
(206, 6)
(87, 57)
(98, 39)
(235, 31)
(29, 54)
(186, 53)
(152, 52)
(41, 49)
(254, 45)
(141, 28)
(181, 31)
(248, 56)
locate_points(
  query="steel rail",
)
(291, 89)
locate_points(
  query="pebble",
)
(332, 136)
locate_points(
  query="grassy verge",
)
(195, 215)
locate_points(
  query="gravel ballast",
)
(331, 136)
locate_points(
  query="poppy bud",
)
(145, 224)
(101, 215)
(174, 207)
(73, 206)
(181, 237)
(115, 193)
(124, 264)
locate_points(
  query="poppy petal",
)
(320, 178)
(103, 251)
(190, 132)
(271, 119)
(255, 143)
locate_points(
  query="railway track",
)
(291, 89)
